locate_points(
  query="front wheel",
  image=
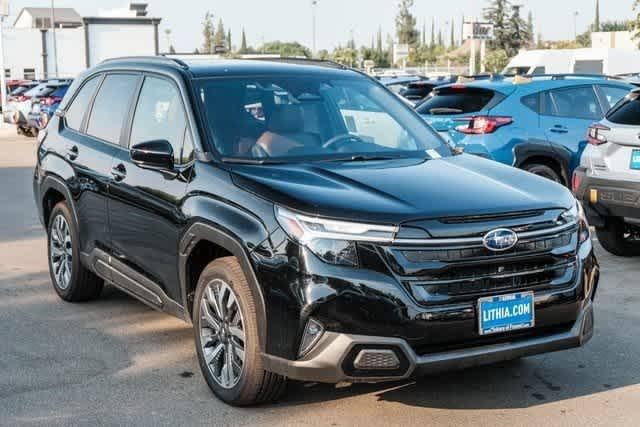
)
(619, 238)
(226, 334)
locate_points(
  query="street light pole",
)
(314, 4)
(53, 34)
(575, 25)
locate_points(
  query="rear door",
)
(566, 114)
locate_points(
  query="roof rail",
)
(159, 58)
(563, 76)
(296, 60)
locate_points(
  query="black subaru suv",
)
(307, 223)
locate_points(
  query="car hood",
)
(398, 191)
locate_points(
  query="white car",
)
(608, 178)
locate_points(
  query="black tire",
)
(255, 385)
(83, 285)
(544, 171)
(614, 238)
(20, 130)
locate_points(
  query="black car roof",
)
(198, 68)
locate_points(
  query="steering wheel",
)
(342, 138)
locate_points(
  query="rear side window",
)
(75, 113)
(626, 112)
(111, 107)
(613, 94)
(159, 116)
(573, 102)
(532, 102)
(454, 100)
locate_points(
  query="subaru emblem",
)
(499, 240)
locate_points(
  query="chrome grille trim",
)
(478, 240)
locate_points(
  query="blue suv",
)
(538, 124)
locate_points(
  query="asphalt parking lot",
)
(116, 362)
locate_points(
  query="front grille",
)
(463, 270)
(466, 253)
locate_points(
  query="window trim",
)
(89, 112)
(134, 106)
(555, 107)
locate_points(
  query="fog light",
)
(376, 359)
(312, 333)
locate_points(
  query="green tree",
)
(532, 34)
(229, 40)
(243, 43)
(323, 54)
(498, 14)
(286, 49)
(636, 21)
(496, 60)
(433, 33)
(596, 21)
(406, 30)
(453, 34)
(440, 38)
(207, 33)
(219, 39)
(519, 29)
(615, 25)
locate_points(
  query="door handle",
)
(559, 129)
(72, 152)
(119, 172)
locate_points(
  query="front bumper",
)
(332, 360)
(602, 198)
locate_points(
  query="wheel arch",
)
(52, 191)
(527, 154)
(205, 238)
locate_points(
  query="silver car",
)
(608, 178)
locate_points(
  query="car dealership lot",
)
(114, 361)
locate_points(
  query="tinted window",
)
(538, 71)
(75, 113)
(532, 102)
(576, 102)
(613, 94)
(111, 106)
(626, 112)
(159, 115)
(454, 100)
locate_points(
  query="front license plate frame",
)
(506, 313)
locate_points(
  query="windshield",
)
(289, 118)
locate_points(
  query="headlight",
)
(576, 214)
(332, 241)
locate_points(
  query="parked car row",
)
(544, 125)
(30, 104)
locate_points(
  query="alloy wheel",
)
(61, 252)
(222, 334)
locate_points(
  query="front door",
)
(144, 208)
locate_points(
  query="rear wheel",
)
(619, 238)
(544, 171)
(226, 333)
(70, 279)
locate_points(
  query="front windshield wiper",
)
(445, 110)
(364, 158)
(248, 161)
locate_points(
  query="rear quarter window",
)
(626, 112)
(454, 100)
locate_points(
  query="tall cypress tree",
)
(406, 30)
(596, 22)
(453, 34)
(243, 43)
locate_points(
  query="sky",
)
(288, 20)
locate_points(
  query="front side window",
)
(111, 106)
(75, 113)
(575, 102)
(159, 115)
(293, 118)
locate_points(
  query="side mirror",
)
(156, 154)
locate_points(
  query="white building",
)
(614, 40)
(80, 42)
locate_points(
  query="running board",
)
(125, 278)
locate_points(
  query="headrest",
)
(286, 118)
